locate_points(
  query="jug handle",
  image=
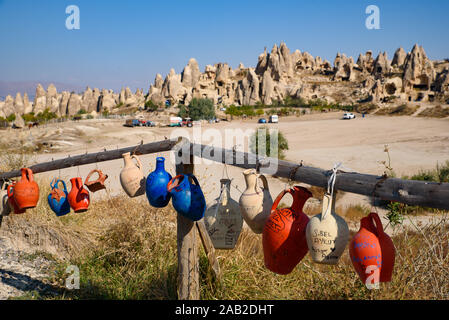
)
(139, 164)
(29, 174)
(194, 179)
(264, 182)
(279, 198)
(379, 227)
(10, 190)
(63, 183)
(90, 174)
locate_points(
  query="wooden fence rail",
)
(428, 194)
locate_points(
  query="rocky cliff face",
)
(280, 73)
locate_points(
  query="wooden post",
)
(209, 248)
(188, 264)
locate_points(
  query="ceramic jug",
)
(327, 233)
(131, 177)
(5, 209)
(255, 203)
(223, 219)
(78, 197)
(187, 198)
(284, 236)
(58, 198)
(156, 185)
(98, 184)
(26, 191)
(372, 252)
(12, 202)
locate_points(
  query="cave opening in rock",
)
(421, 86)
(390, 88)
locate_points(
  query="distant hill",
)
(12, 87)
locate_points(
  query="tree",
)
(11, 118)
(199, 109)
(151, 106)
(282, 143)
(183, 112)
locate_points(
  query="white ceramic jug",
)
(131, 176)
(255, 203)
(5, 209)
(223, 219)
(327, 233)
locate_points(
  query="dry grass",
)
(435, 112)
(366, 108)
(135, 258)
(402, 110)
(353, 212)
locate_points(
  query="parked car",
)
(149, 123)
(274, 119)
(348, 116)
(262, 120)
(132, 123)
(187, 122)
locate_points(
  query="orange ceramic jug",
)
(11, 201)
(26, 191)
(98, 184)
(78, 197)
(372, 252)
(284, 235)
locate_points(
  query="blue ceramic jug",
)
(188, 198)
(156, 185)
(57, 199)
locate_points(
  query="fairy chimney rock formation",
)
(191, 74)
(40, 100)
(399, 58)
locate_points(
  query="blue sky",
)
(125, 43)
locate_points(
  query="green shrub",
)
(11, 118)
(198, 109)
(82, 111)
(46, 115)
(282, 143)
(29, 117)
(151, 106)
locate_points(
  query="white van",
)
(274, 119)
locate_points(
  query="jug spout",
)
(251, 179)
(160, 163)
(225, 193)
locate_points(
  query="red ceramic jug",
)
(98, 184)
(372, 251)
(78, 197)
(284, 235)
(11, 201)
(26, 191)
